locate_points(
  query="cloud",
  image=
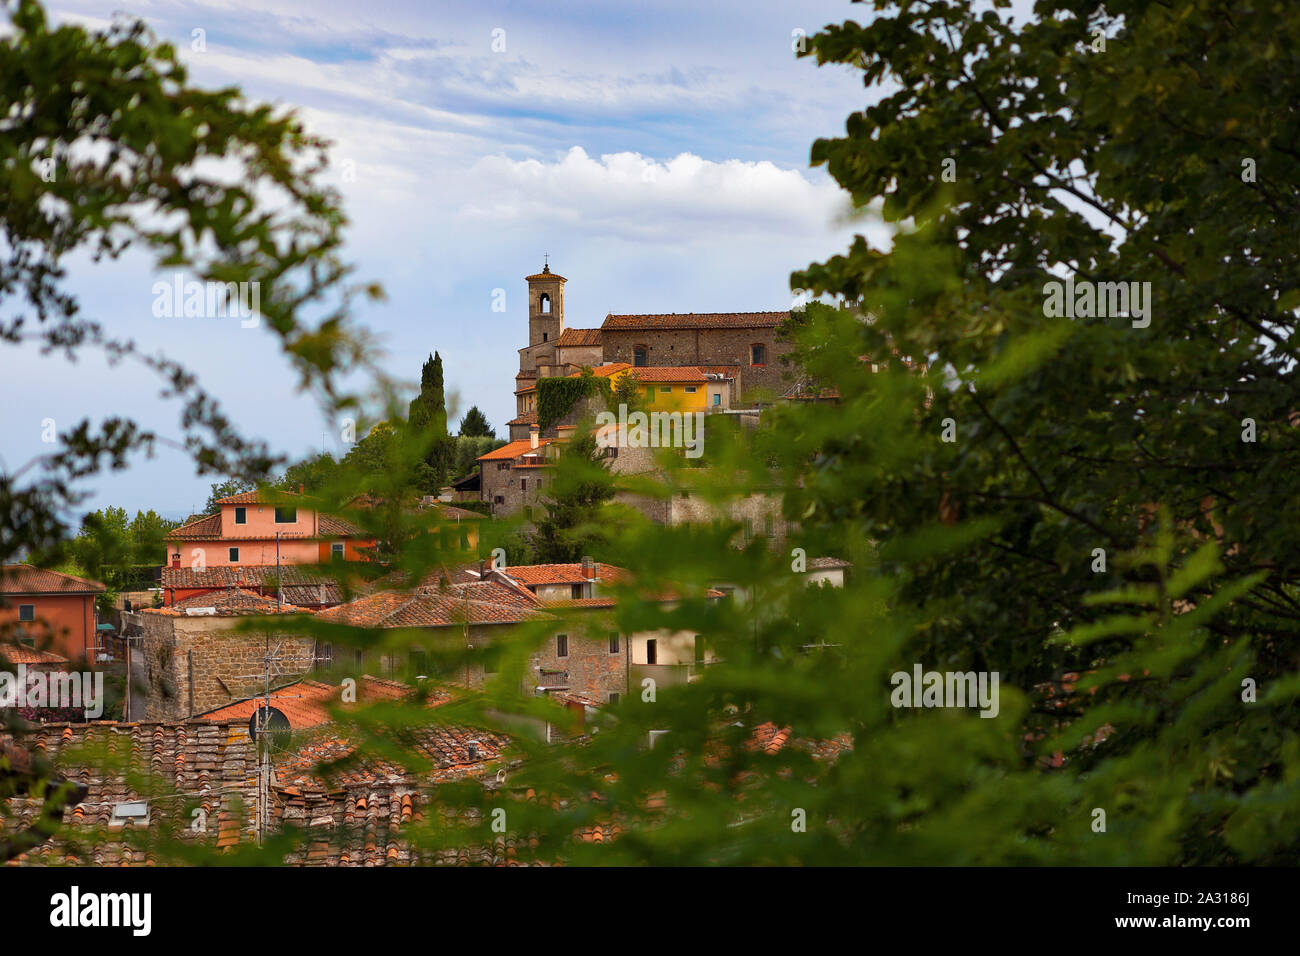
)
(686, 199)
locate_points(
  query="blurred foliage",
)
(1125, 686)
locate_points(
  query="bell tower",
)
(545, 307)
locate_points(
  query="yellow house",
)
(685, 388)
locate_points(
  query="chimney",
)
(301, 490)
(473, 750)
(483, 567)
(532, 435)
(588, 568)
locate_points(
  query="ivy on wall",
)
(556, 397)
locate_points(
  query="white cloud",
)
(630, 196)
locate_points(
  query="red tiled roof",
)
(694, 320)
(307, 703)
(670, 373)
(18, 654)
(532, 575)
(212, 766)
(201, 529)
(26, 579)
(574, 337)
(513, 449)
(546, 273)
(233, 601)
(334, 525)
(603, 371)
(482, 602)
(527, 418)
(242, 576)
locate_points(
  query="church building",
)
(730, 359)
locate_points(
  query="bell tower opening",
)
(545, 307)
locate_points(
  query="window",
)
(124, 813)
(523, 484)
(546, 336)
(241, 516)
(665, 388)
(758, 354)
(640, 355)
(717, 398)
(691, 389)
(561, 645)
(767, 526)
(502, 465)
(324, 655)
(286, 515)
(652, 651)
(575, 591)
(420, 663)
(613, 642)
(336, 550)
(499, 499)
(27, 612)
(544, 303)
(234, 554)
(613, 698)
(699, 649)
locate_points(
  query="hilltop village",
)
(208, 657)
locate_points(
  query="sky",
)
(658, 153)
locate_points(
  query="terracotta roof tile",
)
(228, 603)
(689, 374)
(307, 703)
(205, 528)
(26, 579)
(481, 602)
(694, 320)
(18, 654)
(575, 337)
(513, 449)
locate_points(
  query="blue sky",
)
(658, 153)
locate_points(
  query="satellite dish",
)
(274, 722)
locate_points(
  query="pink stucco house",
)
(244, 532)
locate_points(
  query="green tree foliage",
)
(627, 391)
(1066, 502)
(556, 397)
(427, 419)
(572, 526)
(475, 425)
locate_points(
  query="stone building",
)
(194, 660)
(741, 346)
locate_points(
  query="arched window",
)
(640, 355)
(758, 354)
(544, 302)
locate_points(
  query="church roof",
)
(546, 273)
(572, 337)
(694, 320)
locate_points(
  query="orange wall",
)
(66, 621)
(216, 554)
(261, 521)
